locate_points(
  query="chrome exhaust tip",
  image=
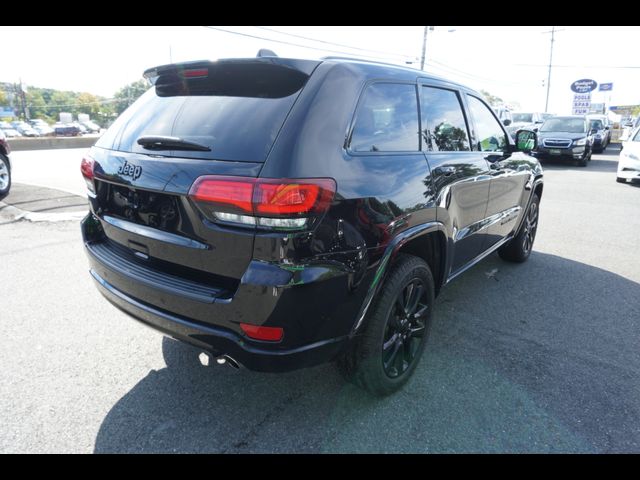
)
(206, 360)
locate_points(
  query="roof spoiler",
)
(265, 77)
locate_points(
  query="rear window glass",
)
(237, 128)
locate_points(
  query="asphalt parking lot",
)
(538, 357)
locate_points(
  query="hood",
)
(569, 135)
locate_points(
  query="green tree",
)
(493, 100)
(89, 104)
(36, 103)
(129, 94)
(3, 98)
(61, 102)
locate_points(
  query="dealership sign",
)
(581, 103)
(584, 86)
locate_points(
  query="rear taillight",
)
(86, 167)
(279, 204)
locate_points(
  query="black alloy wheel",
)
(405, 328)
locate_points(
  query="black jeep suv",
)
(281, 213)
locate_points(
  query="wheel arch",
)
(430, 236)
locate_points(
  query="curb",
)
(18, 214)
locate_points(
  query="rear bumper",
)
(314, 305)
(219, 341)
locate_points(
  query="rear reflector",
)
(269, 334)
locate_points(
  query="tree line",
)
(47, 103)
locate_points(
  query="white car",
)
(629, 162)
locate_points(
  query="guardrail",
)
(48, 143)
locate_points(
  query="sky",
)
(510, 62)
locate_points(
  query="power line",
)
(333, 43)
(286, 43)
(455, 71)
(577, 66)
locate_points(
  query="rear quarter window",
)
(386, 119)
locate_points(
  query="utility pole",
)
(553, 35)
(424, 46)
(19, 88)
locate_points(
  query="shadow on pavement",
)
(539, 357)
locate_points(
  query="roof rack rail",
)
(365, 60)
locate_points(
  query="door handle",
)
(444, 171)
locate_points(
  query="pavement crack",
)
(253, 432)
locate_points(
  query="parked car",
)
(298, 245)
(44, 130)
(80, 127)
(11, 132)
(504, 115)
(629, 160)
(5, 166)
(526, 120)
(66, 130)
(91, 127)
(629, 127)
(27, 130)
(37, 121)
(566, 138)
(601, 136)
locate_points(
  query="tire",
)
(519, 248)
(5, 177)
(368, 364)
(584, 160)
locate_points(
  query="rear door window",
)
(387, 119)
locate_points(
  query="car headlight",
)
(582, 141)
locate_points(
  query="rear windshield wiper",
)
(162, 142)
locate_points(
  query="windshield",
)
(523, 117)
(597, 124)
(569, 125)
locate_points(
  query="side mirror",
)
(606, 128)
(536, 129)
(593, 131)
(506, 122)
(526, 140)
